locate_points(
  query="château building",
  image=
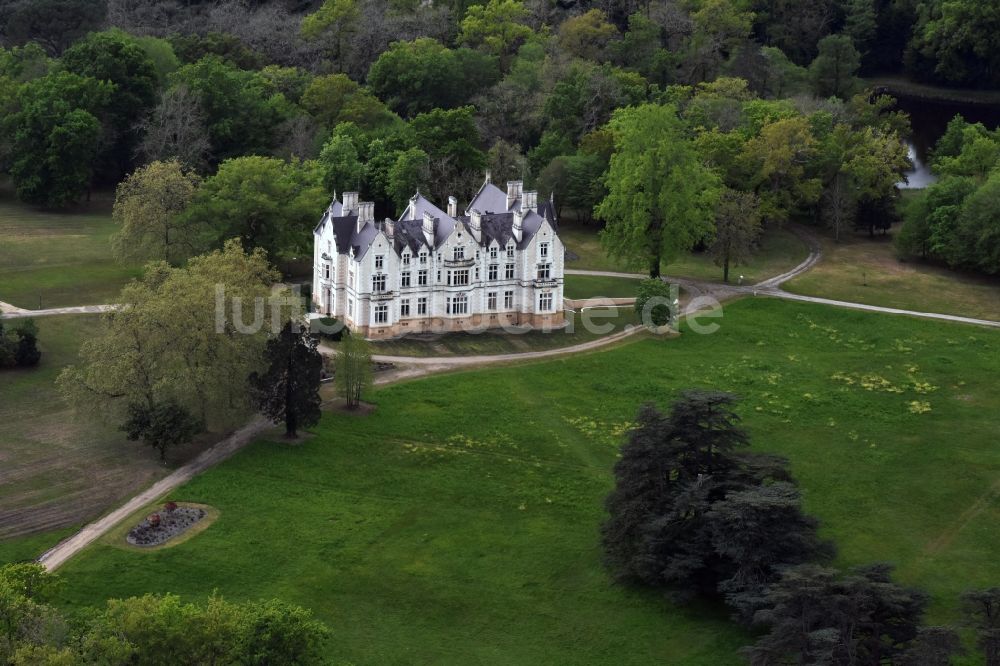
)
(498, 264)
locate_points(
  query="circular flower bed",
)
(164, 525)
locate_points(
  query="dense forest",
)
(248, 115)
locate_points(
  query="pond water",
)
(929, 120)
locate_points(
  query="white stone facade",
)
(499, 264)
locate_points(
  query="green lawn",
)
(458, 522)
(867, 270)
(53, 259)
(56, 469)
(596, 323)
(593, 286)
(780, 250)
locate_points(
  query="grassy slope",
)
(458, 523)
(780, 250)
(56, 469)
(498, 342)
(867, 271)
(54, 259)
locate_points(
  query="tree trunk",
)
(291, 422)
(725, 269)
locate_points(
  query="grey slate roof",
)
(496, 221)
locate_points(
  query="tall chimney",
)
(489, 176)
(350, 201)
(390, 228)
(366, 214)
(476, 224)
(518, 225)
(452, 207)
(529, 201)
(513, 192)
(428, 228)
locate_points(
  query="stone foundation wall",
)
(475, 322)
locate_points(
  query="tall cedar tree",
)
(288, 390)
(686, 500)
(817, 616)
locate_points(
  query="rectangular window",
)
(543, 250)
(510, 251)
(406, 259)
(458, 305)
(509, 272)
(422, 305)
(326, 271)
(422, 278)
(350, 279)
(493, 253)
(404, 308)
(458, 278)
(423, 257)
(439, 276)
(544, 271)
(379, 262)
(494, 272)
(378, 283)
(459, 253)
(508, 300)
(404, 279)
(350, 306)
(491, 300)
(381, 314)
(545, 302)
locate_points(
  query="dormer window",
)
(493, 252)
(406, 258)
(510, 251)
(423, 256)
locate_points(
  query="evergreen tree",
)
(288, 390)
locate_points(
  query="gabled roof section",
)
(489, 199)
(335, 209)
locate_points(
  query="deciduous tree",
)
(149, 206)
(265, 202)
(661, 198)
(162, 425)
(737, 227)
(353, 375)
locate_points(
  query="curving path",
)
(411, 367)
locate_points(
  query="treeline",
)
(695, 514)
(149, 630)
(955, 220)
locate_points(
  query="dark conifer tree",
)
(288, 389)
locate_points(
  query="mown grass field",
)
(458, 522)
(779, 251)
(867, 270)
(594, 286)
(58, 469)
(54, 259)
